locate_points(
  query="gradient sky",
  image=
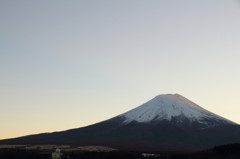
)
(68, 64)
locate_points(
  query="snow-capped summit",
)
(169, 106)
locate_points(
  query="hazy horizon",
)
(68, 64)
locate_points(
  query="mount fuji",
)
(166, 122)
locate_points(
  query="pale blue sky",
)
(67, 64)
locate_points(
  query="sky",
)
(69, 64)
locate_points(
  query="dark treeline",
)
(231, 151)
(104, 155)
(22, 154)
(221, 152)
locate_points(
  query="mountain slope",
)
(167, 122)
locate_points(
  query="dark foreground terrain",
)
(231, 151)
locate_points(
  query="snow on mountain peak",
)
(166, 107)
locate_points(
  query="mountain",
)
(167, 122)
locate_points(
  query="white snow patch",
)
(168, 106)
